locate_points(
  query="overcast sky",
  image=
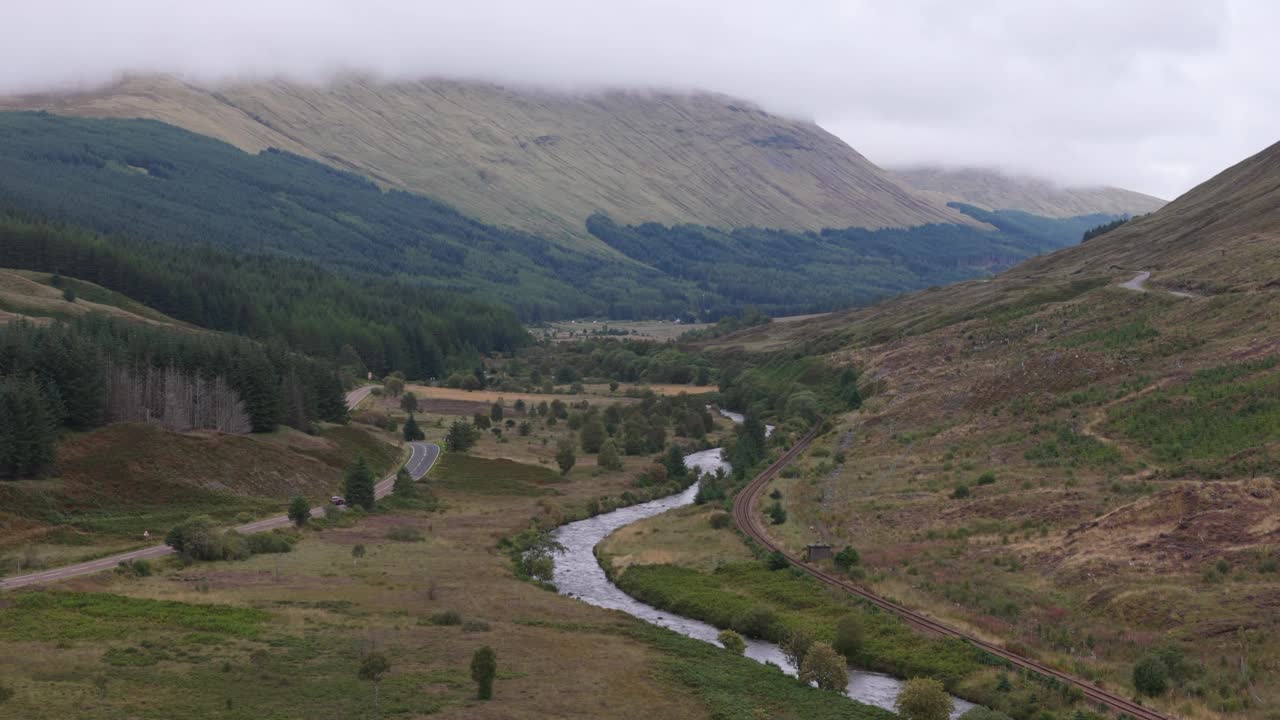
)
(1153, 95)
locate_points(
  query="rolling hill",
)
(1102, 453)
(996, 190)
(542, 161)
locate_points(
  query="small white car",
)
(338, 500)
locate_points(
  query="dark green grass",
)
(732, 686)
(720, 598)
(54, 616)
(482, 476)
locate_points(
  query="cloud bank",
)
(1153, 95)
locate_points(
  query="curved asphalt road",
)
(1139, 284)
(421, 460)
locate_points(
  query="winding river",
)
(578, 574)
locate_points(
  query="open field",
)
(279, 635)
(656, 330)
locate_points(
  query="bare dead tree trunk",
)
(173, 400)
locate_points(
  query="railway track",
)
(748, 521)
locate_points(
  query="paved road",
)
(1139, 284)
(421, 459)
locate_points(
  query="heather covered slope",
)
(996, 190)
(1106, 460)
(542, 161)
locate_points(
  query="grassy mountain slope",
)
(159, 183)
(33, 295)
(1132, 441)
(995, 190)
(543, 161)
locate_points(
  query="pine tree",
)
(404, 486)
(412, 432)
(359, 484)
(460, 436)
(674, 462)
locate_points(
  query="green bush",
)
(732, 642)
(924, 699)
(136, 568)
(269, 542)
(847, 558)
(447, 618)
(777, 561)
(961, 492)
(986, 478)
(825, 668)
(1151, 676)
(759, 621)
(720, 520)
(849, 636)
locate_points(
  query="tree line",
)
(385, 324)
(158, 183)
(82, 374)
(785, 272)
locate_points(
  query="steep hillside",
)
(145, 180)
(1103, 454)
(543, 161)
(995, 190)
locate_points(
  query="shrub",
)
(795, 646)
(776, 494)
(136, 568)
(484, 667)
(986, 478)
(1151, 676)
(475, 626)
(847, 558)
(823, 667)
(299, 511)
(848, 640)
(235, 546)
(777, 561)
(961, 492)
(565, 456)
(447, 618)
(777, 515)
(924, 699)
(265, 543)
(404, 533)
(759, 621)
(720, 520)
(732, 642)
